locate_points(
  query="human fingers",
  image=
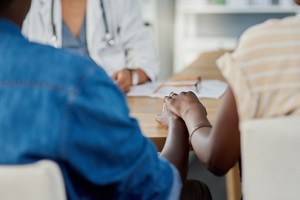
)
(171, 103)
(161, 117)
(115, 76)
(182, 102)
(165, 117)
(124, 80)
(162, 120)
(125, 88)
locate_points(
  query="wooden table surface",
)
(145, 109)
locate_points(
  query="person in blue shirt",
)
(61, 106)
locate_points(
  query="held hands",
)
(166, 117)
(185, 105)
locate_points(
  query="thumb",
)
(115, 76)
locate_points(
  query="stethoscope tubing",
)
(54, 32)
(104, 17)
(109, 39)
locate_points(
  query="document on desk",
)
(212, 89)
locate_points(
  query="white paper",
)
(213, 89)
(144, 90)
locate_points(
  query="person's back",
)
(264, 71)
(60, 106)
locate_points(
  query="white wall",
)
(160, 14)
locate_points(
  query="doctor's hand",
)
(123, 79)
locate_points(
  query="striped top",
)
(264, 70)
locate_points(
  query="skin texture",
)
(124, 79)
(218, 147)
(73, 12)
(176, 148)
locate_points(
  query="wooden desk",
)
(145, 109)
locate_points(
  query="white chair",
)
(271, 159)
(38, 181)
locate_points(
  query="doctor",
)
(111, 32)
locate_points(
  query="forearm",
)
(193, 118)
(218, 147)
(177, 147)
(143, 77)
(202, 145)
(200, 134)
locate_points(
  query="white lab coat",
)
(134, 46)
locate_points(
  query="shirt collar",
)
(7, 26)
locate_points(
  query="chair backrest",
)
(271, 158)
(37, 181)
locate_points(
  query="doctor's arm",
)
(138, 43)
(126, 78)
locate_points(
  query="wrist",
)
(178, 124)
(194, 118)
(174, 120)
(199, 126)
(134, 76)
(191, 113)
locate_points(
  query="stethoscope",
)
(108, 38)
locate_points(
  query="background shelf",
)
(202, 27)
(198, 8)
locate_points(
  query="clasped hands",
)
(123, 79)
(185, 106)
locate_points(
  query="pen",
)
(158, 88)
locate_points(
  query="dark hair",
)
(4, 4)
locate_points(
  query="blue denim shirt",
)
(60, 106)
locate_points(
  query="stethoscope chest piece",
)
(109, 39)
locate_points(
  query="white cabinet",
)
(201, 27)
